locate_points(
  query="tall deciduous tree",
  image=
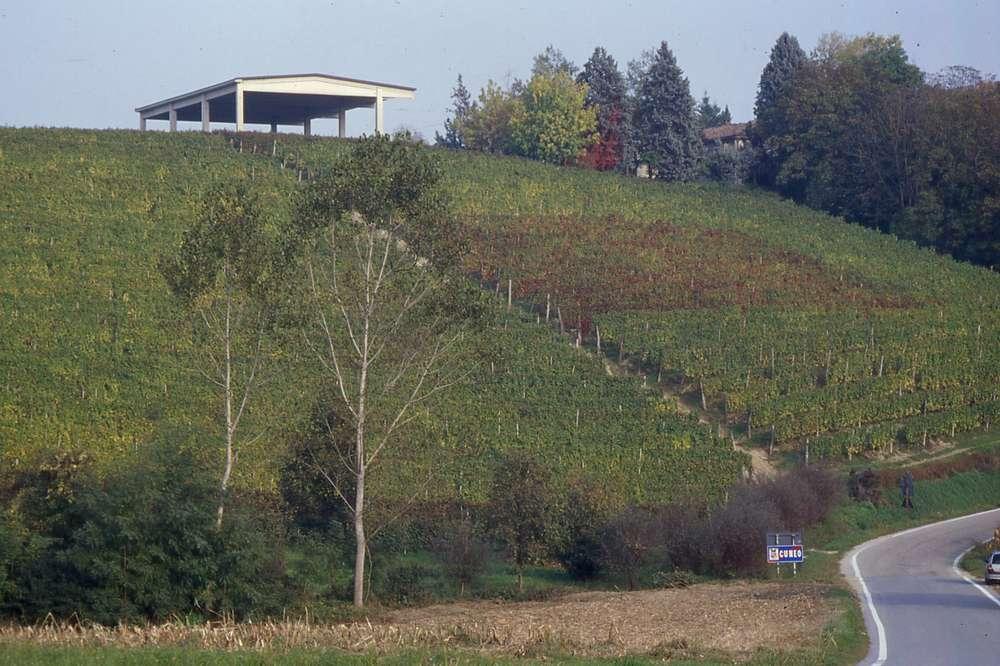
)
(666, 130)
(552, 61)
(454, 127)
(487, 127)
(376, 333)
(770, 122)
(605, 93)
(553, 124)
(228, 276)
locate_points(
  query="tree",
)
(522, 509)
(605, 93)
(454, 127)
(552, 124)
(787, 58)
(462, 553)
(666, 130)
(488, 126)
(552, 61)
(635, 74)
(377, 333)
(227, 273)
(710, 115)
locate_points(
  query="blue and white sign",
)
(792, 554)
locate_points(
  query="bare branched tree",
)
(224, 273)
(379, 332)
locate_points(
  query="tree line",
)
(857, 130)
(853, 129)
(596, 117)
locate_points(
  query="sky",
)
(89, 63)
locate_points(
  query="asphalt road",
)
(919, 609)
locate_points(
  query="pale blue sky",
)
(89, 63)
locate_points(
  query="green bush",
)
(587, 510)
(406, 584)
(138, 542)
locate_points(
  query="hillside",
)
(794, 327)
(787, 320)
(95, 357)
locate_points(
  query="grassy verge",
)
(856, 522)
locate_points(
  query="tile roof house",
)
(731, 135)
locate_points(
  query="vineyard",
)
(796, 329)
(95, 359)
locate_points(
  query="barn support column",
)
(274, 127)
(378, 111)
(307, 127)
(239, 107)
(205, 115)
(142, 123)
(173, 119)
(342, 124)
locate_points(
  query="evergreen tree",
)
(453, 127)
(666, 131)
(710, 115)
(606, 93)
(787, 58)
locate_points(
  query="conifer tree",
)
(666, 131)
(453, 127)
(606, 93)
(787, 57)
(710, 115)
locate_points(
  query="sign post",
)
(785, 548)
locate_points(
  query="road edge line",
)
(969, 579)
(883, 646)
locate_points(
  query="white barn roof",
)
(286, 99)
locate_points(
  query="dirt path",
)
(761, 465)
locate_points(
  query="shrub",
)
(674, 579)
(804, 496)
(462, 553)
(737, 534)
(628, 544)
(406, 584)
(586, 513)
(521, 510)
(139, 543)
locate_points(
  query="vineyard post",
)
(548, 305)
(770, 446)
(597, 329)
(510, 292)
(559, 314)
(497, 289)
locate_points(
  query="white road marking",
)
(883, 646)
(969, 579)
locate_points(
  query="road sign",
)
(792, 554)
(785, 548)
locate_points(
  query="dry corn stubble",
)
(737, 618)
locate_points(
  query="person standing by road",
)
(906, 489)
